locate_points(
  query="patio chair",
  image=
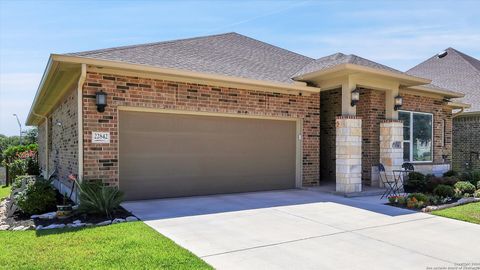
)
(408, 166)
(390, 184)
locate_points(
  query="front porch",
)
(357, 135)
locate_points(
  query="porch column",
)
(391, 146)
(348, 154)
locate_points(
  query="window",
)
(417, 136)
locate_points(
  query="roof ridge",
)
(149, 44)
(465, 56)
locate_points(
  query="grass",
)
(467, 212)
(131, 245)
(4, 191)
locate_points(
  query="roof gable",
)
(456, 71)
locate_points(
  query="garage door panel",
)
(170, 155)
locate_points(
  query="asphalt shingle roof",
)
(228, 54)
(340, 58)
(455, 71)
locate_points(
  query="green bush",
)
(415, 183)
(433, 182)
(471, 176)
(17, 168)
(477, 194)
(450, 173)
(464, 188)
(444, 191)
(96, 198)
(419, 197)
(37, 197)
(478, 185)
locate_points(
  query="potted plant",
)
(64, 210)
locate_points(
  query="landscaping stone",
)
(54, 226)
(131, 218)
(103, 223)
(118, 220)
(431, 208)
(4, 227)
(20, 228)
(34, 216)
(39, 227)
(77, 221)
(50, 215)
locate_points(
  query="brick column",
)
(391, 146)
(348, 154)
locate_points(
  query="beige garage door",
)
(172, 155)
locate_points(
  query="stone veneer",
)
(348, 154)
(101, 160)
(391, 147)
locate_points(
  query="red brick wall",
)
(330, 108)
(371, 109)
(101, 161)
(440, 111)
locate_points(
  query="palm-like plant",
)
(97, 198)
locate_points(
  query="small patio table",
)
(398, 176)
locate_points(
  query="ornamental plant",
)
(464, 188)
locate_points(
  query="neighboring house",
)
(228, 113)
(457, 71)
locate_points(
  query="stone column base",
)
(348, 154)
(391, 146)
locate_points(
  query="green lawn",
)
(467, 212)
(4, 191)
(131, 245)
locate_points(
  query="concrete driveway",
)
(301, 229)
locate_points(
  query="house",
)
(455, 70)
(227, 113)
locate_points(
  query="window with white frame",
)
(417, 136)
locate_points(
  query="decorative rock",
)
(131, 218)
(4, 227)
(103, 223)
(75, 207)
(39, 227)
(70, 225)
(88, 224)
(34, 216)
(50, 215)
(54, 226)
(20, 228)
(118, 220)
(77, 221)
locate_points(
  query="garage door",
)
(171, 155)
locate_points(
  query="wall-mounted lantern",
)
(398, 102)
(355, 97)
(101, 101)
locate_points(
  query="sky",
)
(399, 34)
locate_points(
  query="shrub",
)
(17, 168)
(444, 191)
(478, 185)
(464, 188)
(433, 182)
(414, 203)
(37, 197)
(419, 197)
(477, 194)
(396, 199)
(450, 173)
(436, 200)
(415, 183)
(96, 198)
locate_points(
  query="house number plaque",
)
(100, 137)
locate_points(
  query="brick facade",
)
(442, 147)
(63, 139)
(101, 161)
(466, 139)
(371, 109)
(330, 108)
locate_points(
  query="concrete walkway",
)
(301, 229)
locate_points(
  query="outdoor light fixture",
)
(101, 101)
(355, 97)
(398, 102)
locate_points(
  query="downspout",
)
(46, 142)
(81, 80)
